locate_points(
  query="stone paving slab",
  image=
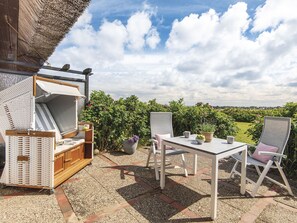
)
(118, 188)
(288, 200)
(123, 216)
(87, 195)
(121, 186)
(231, 196)
(225, 213)
(153, 209)
(275, 213)
(101, 165)
(29, 208)
(123, 159)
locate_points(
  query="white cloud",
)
(83, 20)
(138, 27)
(82, 33)
(209, 57)
(192, 30)
(112, 37)
(153, 38)
(209, 29)
(140, 30)
(273, 13)
(234, 22)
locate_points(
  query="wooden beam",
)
(56, 82)
(34, 85)
(9, 11)
(30, 133)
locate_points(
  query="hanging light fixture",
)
(87, 71)
(66, 67)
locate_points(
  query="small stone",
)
(96, 151)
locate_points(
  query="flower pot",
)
(208, 136)
(200, 141)
(130, 147)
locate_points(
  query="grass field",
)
(241, 135)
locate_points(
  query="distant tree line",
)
(243, 114)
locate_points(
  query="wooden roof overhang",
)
(31, 30)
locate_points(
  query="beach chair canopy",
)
(40, 104)
(61, 102)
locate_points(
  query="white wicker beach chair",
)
(161, 127)
(35, 114)
(269, 152)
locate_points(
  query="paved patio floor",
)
(118, 188)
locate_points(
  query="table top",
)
(216, 146)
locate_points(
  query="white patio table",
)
(215, 150)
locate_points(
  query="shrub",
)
(117, 120)
(191, 117)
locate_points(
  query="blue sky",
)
(166, 11)
(238, 53)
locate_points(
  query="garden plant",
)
(117, 120)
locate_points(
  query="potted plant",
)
(200, 138)
(130, 145)
(207, 130)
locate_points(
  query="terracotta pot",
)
(208, 136)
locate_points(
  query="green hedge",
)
(116, 120)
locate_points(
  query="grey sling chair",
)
(275, 133)
(161, 125)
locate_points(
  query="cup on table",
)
(187, 134)
(230, 139)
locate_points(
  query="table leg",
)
(195, 164)
(162, 181)
(214, 187)
(243, 171)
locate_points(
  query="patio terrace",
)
(118, 188)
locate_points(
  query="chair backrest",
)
(161, 123)
(276, 132)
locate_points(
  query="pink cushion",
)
(159, 138)
(263, 147)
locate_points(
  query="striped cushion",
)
(45, 121)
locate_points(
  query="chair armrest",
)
(153, 141)
(271, 153)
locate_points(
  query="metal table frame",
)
(215, 150)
